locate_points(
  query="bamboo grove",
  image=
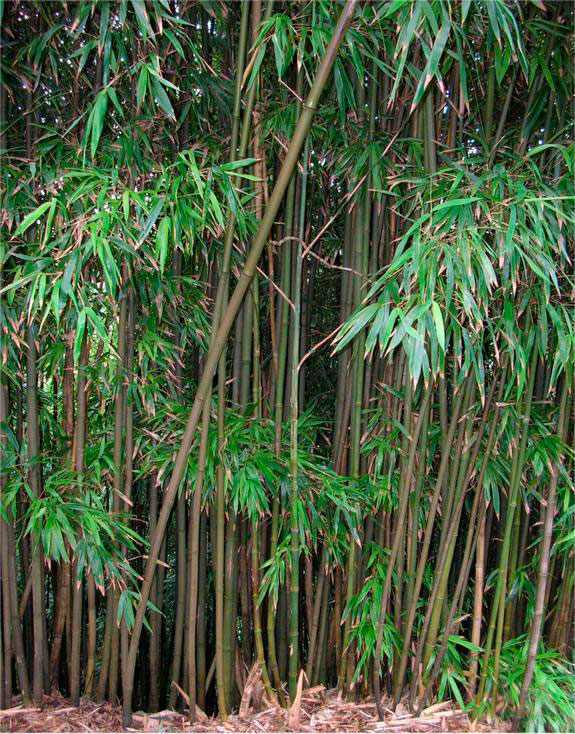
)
(287, 350)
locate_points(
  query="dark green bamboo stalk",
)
(192, 584)
(542, 577)
(109, 670)
(224, 328)
(63, 597)
(5, 635)
(91, 637)
(202, 615)
(361, 230)
(284, 315)
(127, 480)
(424, 551)
(35, 481)
(221, 301)
(12, 624)
(272, 603)
(77, 594)
(294, 408)
(117, 484)
(230, 603)
(498, 604)
(446, 548)
(258, 636)
(398, 536)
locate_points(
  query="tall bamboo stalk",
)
(77, 593)
(298, 139)
(294, 395)
(35, 481)
(495, 628)
(12, 628)
(543, 572)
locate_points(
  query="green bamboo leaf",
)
(161, 98)
(175, 43)
(151, 220)
(98, 116)
(42, 44)
(79, 338)
(491, 7)
(385, 333)
(405, 326)
(55, 301)
(68, 275)
(32, 217)
(115, 101)
(455, 203)
(98, 324)
(104, 18)
(502, 61)
(439, 327)
(162, 242)
(257, 65)
(354, 325)
(432, 67)
(49, 220)
(126, 204)
(216, 208)
(375, 328)
(234, 165)
(142, 86)
(84, 52)
(142, 17)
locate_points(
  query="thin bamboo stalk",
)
(220, 338)
(542, 576)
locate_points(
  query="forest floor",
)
(317, 710)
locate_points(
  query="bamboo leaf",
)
(142, 17)
(151, 220)
(79, 337)
(98, 117)
(162, 242)
(142, 86)
(354, 325)
(161, 98)
(439, 327)
(175, 43)
(432, 67)
(32, 217)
